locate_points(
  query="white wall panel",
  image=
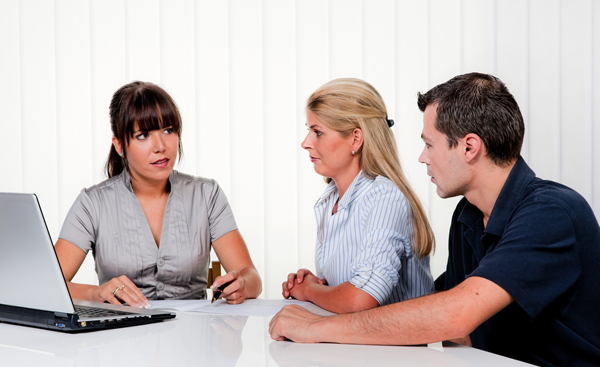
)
(211, 49)
(478, 35)
(108, 59)
(512, 55)
(38, 108)
(142, 28)
(177, 70)
(73, 118)
(247, 124)
(312, 65)
(576, 96)
(241, 72)
(11, 179)
(444, 58)
(544, 88)
(345, 38)
(281, 144)
(595, 14)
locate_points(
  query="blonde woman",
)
(373, 239)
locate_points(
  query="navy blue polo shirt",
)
(541, 245)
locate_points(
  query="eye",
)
(318, 133)
(141, 136)
(168, 130)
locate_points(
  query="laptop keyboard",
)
(91, 312)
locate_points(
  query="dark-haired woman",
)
(149, 227)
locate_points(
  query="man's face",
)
(444, 164)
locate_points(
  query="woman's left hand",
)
(235, 292)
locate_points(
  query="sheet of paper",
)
(250, 307)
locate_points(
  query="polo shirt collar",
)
(519, 178)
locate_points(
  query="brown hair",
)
(347, 104)
(143, 103)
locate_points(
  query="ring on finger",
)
(116, 290)
(123, 287)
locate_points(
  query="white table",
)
(197, 339)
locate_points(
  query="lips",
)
(313, 159)
(161, 162)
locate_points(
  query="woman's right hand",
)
(299, 276)
(118, 291)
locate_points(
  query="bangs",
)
(151, 111)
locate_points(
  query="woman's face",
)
(151, 156)
(330, 152)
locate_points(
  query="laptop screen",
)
(30, 274)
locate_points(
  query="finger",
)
(232, 275)
(300, 276)
(291, 279)
(236, 298)
(136, 296)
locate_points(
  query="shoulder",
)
(384, 190)
(195, 186)
(544, 193)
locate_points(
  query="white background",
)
(241, 71)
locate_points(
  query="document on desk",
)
(250, 307)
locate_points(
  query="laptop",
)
(33, 290)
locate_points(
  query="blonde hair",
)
(346, 104)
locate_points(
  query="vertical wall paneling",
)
(544, 88)
(108, 58)
(213, 148)
(247, 124)
(512, 55)
(411, 35)
(595, 19)
(576, 80)
(38, 106)
(378, 56)
(73, 118)
(142, 27)
(478, 36)
(345, 38)
(444, 55)
(312, 70)
(280, 143)
(177, 70)
(241, 72)
(11, 179)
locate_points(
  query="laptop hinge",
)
(61, 315)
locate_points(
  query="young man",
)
(523, 254)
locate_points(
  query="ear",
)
(117, 145)
(357, 139)
(472, 146)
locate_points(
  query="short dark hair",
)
(479, 104)
(143, 103)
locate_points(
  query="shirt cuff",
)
(375, 281)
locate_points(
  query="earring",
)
(353, 152)
(121, 154)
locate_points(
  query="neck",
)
(486, 184)
(344, 179)
(155, 189)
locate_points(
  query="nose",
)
(422, 158)
(159, 143)
(306, 143)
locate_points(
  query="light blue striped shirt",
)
(369, 241)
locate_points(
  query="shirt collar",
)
(512, 191)
(354, 189)
(127, 180)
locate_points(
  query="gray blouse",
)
(108, 219)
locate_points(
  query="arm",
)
(453, 314)
(233, 254)
(342, 298)
(71, 257)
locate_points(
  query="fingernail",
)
(214, 286)
(148, 306)
(289, 285)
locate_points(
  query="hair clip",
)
(390, 122)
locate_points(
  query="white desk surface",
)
(199, 339)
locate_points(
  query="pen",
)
(220, 290)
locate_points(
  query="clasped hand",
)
(298, 282)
